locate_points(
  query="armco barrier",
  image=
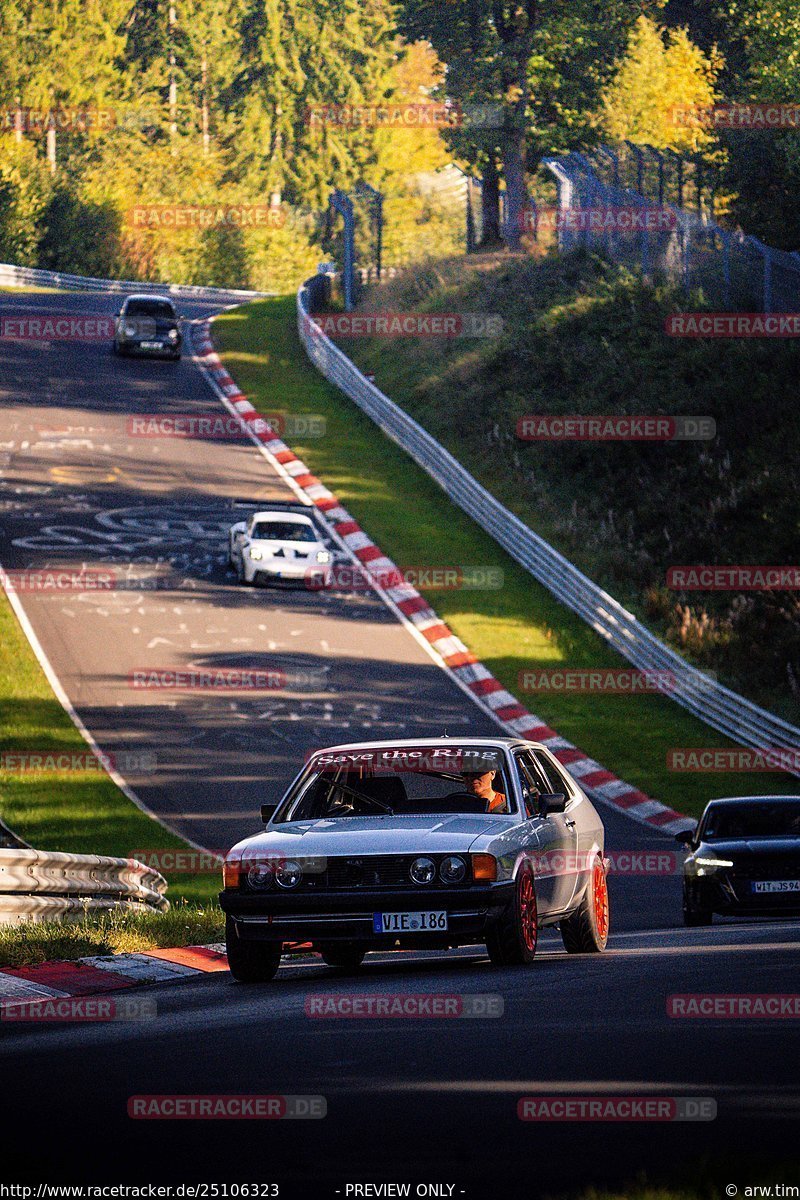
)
(724, 710)
(42, 885)
(12, 276)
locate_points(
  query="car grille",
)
(768, 868)
(369, 871)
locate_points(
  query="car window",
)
(159, 309)
(762, 819)
(283, 531)
(404, 783)
(551, 776)
(530, 782)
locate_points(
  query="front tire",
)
(586, 930)
(694, 917)
(251, 962)
(345, 956)
(512, 941)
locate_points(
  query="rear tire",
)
(512, 941)
(586, 930)
(345, 956)
(251, 962)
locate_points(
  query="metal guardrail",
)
(724, 710)
(42, 885)
(13, 276)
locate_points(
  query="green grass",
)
(78, 812)
(516, 628)
(113, 933)
(582, 336)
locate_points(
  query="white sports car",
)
(279, 545)
(419, 845)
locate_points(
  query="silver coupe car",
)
(419, 845)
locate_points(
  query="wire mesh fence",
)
(633, 205)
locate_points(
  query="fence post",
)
(342, 203)
(564, 190)
(766, 254)
(726, 267)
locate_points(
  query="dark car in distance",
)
(744, 859)
(148, 325)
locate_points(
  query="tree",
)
(662, 73)
(540, 63)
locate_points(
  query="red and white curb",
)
(447, 649)
(100, 974)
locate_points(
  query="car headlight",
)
(706, 863)
(261, 874)
(173, 335)
(423, 870)
(323, 556)
(256, 554)
(453, 869)
(288, 874)
(130, 330)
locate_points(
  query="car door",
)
(554, 861)
(580, 817)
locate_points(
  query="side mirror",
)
(685, 837)
(551, 802)
(268, 812)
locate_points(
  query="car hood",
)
(270, 546)
(753, 847)
(441, 834)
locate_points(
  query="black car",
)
(744, 859)
(148, 325)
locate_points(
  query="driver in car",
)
(480, 783)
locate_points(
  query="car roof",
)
(509, 742)
(277, 514)
(150, 296)
(726, 800)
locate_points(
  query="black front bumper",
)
(348, 915)
(731, 895)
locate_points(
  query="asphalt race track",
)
(430, 1100)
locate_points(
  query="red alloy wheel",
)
(528, 916)
(600, 889)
